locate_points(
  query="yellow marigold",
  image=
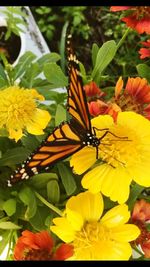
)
(123, 160)
(93, 237)
(19, 112)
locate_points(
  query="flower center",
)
(91, 233)
(142, 11)
(123, 149)
(128, 103)
(37, 254)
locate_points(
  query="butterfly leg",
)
(107, 131)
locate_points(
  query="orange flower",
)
(138, 19)
(145, 52)
(135, 97)
(92, 90)
(140, 217)
(40, 246)
(97, 107)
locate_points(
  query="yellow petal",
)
(116, 216)
(39, 122)
(94, 178)
(112, 182)
(141, 173)
(101, 122)
(83, 159)
(15, 134)
(135, 121)
(117, 184)
(109, 250)
(75, 219)
(36, 95)
(63, 229)
(89, 206)
(125, 233)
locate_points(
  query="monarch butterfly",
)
(68, 137)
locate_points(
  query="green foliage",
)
(13, 21)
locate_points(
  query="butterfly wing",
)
(77, 103)
(67, 138)
(60, 144)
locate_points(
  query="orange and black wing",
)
(60, 144)
(77, 103)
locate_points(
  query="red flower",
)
(140, 217)
(97, 107)
(145, 52)
(40, 246)
(138, 19)
(92, 90)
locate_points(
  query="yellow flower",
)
(93, 237)
(122, 159)
(18, 111)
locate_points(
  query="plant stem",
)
(123, 38)
(52, 207)
(9, 244)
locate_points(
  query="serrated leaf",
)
(54, 75)
(9, 206)
(14, 156)
(53, 192)
(40, 180)
(23, 64)
(60, 114)
(67, 178)
(104, 56)
(9, 225)
(143, 71)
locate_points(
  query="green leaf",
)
(53, 192)
(5, 240)
(104, 56)
(83, 73)
(95, 49)
(31, 73)
(3, 77)
(23, 64)
(51, 57)
(30, 142)
(9, 206)
(54, 75)
(38, 220)
(27, 196)
(14, 156)
(60, 115)
(9, 225)
(67, 178)
(144, 71)
(134, 193)
(40, 180)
